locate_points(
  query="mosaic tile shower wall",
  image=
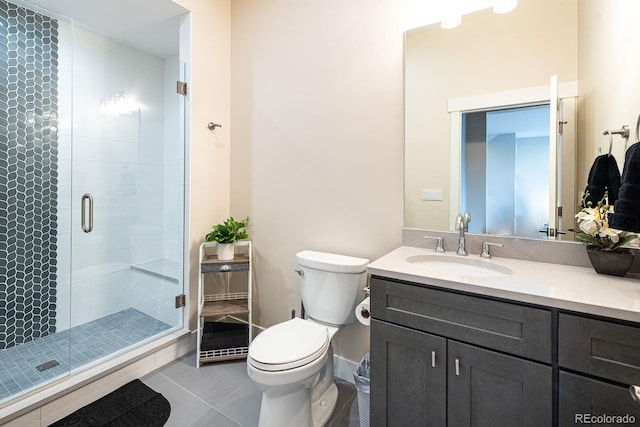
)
(28, 174)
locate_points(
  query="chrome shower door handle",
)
(83, 212)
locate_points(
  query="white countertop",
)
(573, 288)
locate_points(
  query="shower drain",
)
(47, 365)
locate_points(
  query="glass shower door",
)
(91, 196)
(127, 203)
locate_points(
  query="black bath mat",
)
(132, 405)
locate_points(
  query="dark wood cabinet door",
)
(408, 377)
(583, 400)
(486, 389)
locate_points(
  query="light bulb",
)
(504, 6)
(450, 21)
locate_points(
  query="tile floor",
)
(24, 366)
(221, 394)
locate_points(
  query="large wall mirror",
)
(480, 113)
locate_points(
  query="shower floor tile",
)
(70, 349)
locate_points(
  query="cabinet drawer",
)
(604, 349)
(581, 397)
(511, 328)
(211, 264)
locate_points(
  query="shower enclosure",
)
(92, 185)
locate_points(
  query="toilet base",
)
(294, 409)
(288, 406)
(322, 408)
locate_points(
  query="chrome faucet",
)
(462, 225)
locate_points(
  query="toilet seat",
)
(289, 345)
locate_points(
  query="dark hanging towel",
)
(603, 176)
(627, 207)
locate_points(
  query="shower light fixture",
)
(117, 104)
(504, 6)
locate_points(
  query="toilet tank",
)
(331, 285)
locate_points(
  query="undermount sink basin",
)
(461, 266)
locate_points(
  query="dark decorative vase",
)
(610, 262)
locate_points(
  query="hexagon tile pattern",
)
(28, 174)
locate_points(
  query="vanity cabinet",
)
(444, 357)
(441, 358)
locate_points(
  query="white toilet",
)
(292, 362)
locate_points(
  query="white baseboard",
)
(344, 368)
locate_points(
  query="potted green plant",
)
(226, 235)
(605, 245)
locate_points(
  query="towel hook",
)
(623, 132)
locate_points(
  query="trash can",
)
(362, 377)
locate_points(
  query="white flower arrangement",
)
(594, 227)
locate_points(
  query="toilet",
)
(292, 362)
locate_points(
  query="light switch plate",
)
(431, 194)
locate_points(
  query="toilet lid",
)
(289, 345)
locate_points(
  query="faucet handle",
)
(485, 248)
(439, 243)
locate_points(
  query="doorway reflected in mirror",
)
(505, 172)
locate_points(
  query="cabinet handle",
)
(635, 393)
(433, 359)
(457, 361)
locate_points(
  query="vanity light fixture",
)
(504, 6)
(452, 10)
(450, 21)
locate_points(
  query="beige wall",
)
(608, 72)
(316, 159)
(209, 100)
(487, 53)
